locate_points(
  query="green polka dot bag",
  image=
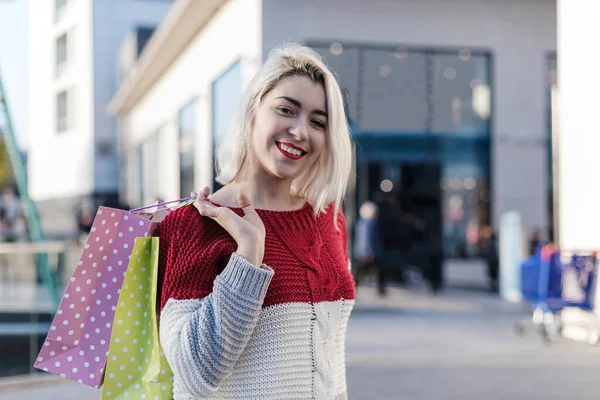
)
(136, 366)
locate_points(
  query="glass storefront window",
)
(461, 94)
(187, 134)
(394, 91)
(226, 96)
(465, 206)
(426, 113)
(147, 156)
(345, 62)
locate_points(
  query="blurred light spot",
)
(336, 48)
(472, 233)
(464, 54)
(455, 201)
(482, 101)
(401, 53)
(450, 73)
(385, 71)
(455, 208)
(368, 210)
(386, 185)
(475, 83)
(456, 183)
(470, 183)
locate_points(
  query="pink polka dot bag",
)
(77, 344)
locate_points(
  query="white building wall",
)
(578, 211)
(64, 165)
(232, 34)
(579, 214)
(60, 164)
(113, 19)
(517, 33)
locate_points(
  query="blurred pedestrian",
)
(490, 253)
(85, 218)
(535, 241)
(367, 247)
(255, 301)
(11, 211)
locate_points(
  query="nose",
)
(299, 129)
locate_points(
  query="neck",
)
(265, 190)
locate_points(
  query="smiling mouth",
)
(290, 151)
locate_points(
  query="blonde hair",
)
(327, 178)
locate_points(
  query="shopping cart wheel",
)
(594, 338)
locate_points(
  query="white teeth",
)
(290, 150)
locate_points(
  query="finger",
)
(200, 201)
(207, 209)
(245, 204)
(205, 192)
(224, 217)
(203, 195)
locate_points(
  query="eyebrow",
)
(299, 105)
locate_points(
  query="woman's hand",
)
(247, 231)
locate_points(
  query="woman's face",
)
(290, 126)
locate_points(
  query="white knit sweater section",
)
(295, 352)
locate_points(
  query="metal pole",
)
(31, 215)
(555, 144)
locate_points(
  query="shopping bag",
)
(77, 344)
(137, 367)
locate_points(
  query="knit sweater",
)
(231, 330)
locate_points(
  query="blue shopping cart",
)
(553, 280)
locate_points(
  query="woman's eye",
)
(319, 124)
(285, 110)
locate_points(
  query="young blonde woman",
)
(256, 291)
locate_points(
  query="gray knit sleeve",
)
(203, 338)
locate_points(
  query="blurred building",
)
(449, 101)
(73, 150)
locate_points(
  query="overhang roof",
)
(183, 22)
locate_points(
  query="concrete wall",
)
(65, 166)
(60, 164)
(517, 33)
(231, 35)
(113, 19)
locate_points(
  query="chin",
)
(284, 171)
(280, 173)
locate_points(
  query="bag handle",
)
(185, 200)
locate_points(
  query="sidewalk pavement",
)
(399, 302)
(458, 345)
(46, 387)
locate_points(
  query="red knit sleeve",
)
(193, 251)
(343, 229)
